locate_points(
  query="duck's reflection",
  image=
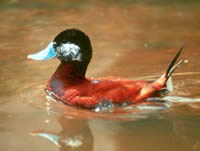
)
(186, 130)
(187, 134)
(75, 135)
(170, 131)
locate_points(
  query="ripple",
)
(155, 108)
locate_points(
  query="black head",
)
(72, 45)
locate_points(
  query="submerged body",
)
(69, 84)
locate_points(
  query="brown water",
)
(131, 39)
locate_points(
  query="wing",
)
(117, 90)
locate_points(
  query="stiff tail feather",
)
(171, 68)
(165, 80)
(162, 83)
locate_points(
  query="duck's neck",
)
(70, 72)
(67, 74)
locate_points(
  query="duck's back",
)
(117, 90)
(90, 92)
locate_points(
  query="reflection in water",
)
(186, 129)
(177, 133)
(75, 135)
(130, 39)
(124, 127)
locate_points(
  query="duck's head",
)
(70, 46)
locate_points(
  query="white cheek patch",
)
(78, 57)
(70, 50)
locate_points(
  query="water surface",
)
(131, 39)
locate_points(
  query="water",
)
(131, 39)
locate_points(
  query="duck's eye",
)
(54, 44)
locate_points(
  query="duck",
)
(70, 85)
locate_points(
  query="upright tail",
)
(172, 66)
(165, 79)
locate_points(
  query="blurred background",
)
(134, 39)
